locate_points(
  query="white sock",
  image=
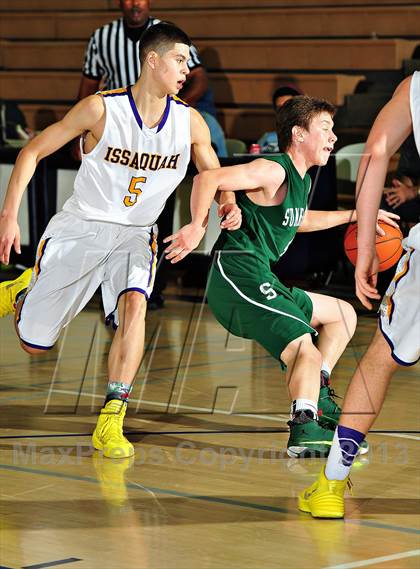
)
(325, 367)
(302, 404)
(344, 449)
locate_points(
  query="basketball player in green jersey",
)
(244, 294)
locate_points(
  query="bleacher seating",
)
(262, 22)
(229, 88)
(243, 54)
(160, 4)
(348, 52)
(17, 5)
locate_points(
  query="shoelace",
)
(116, 428)
(112, 424)
(333, 395)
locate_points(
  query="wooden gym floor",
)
(211, 485)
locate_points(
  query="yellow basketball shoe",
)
(9, 291)
(108, 435)
(325, 498)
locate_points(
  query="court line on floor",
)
(53, 563)
(401, 435)
(147, 349)
(246, 359)
(374, 560)
(256, 431)
(278, 419)
(153, 433)
(199, 497)
(153, 380)
(207, 410)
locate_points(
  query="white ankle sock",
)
(325, 367)
(301, 404)
(344, 449)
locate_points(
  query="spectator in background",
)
(268, 142)
(403, 197)
(217, 135)
(112, 61)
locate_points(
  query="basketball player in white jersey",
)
(137, 143)
(397, 339)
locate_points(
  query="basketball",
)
(388, 246)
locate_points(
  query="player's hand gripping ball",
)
(388, 246)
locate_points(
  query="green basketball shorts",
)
(251, 302)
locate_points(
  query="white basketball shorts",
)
(74, 258)
(399, 314)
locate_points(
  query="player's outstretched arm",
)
(390, 129)
(82, 117)
(260, 175)
(318, 220)
(205, 158)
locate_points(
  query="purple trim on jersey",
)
(397, 281)
(111, 318)
(36, 345)
(152, 238)
(133, 107)
(165, 114)
(391, 345)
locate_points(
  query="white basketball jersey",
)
(413, 239)
(133, 169)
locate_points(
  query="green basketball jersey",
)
(267, 231)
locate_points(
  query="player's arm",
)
(205, 158)
(80, 118)
(390, 129)
(259, 175)
(318, 220)
(88, 86)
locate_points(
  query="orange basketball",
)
(388, 247)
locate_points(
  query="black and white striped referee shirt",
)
(114, 57)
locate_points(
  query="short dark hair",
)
(285, 90)
(160, 38)
(298, 111)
